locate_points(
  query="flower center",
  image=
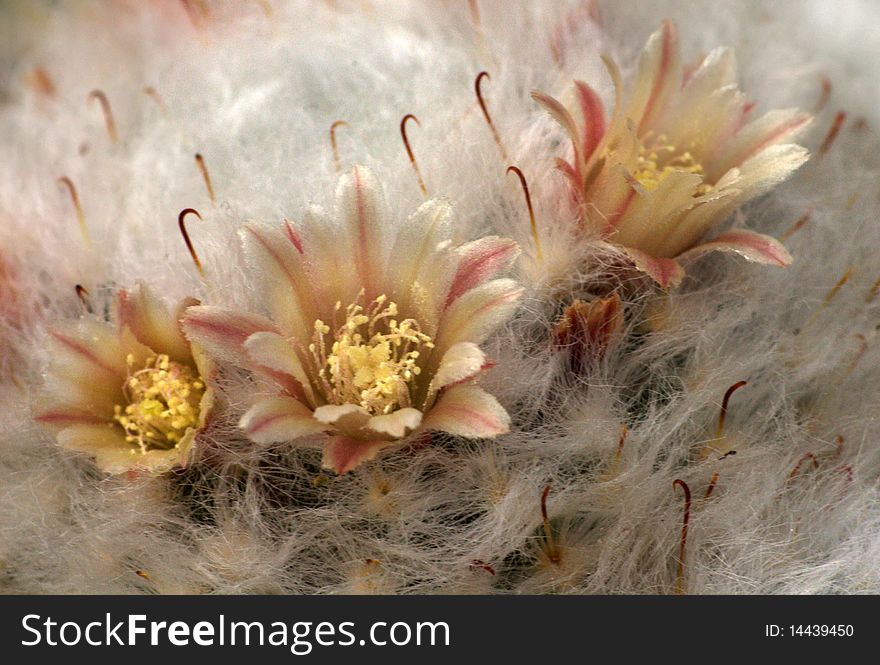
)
(371, 358)
(658, 158)
(163, 403)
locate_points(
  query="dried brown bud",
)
(587, 329)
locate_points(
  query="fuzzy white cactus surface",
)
(251, 341)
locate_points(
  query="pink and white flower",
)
(373, 331)
(675, 159)
(132, 395)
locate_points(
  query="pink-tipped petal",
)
(142, 312)
(753, 246)
(668, 273)
(659, 75)
(480, 261)
(468, 411)
(772, 128)
(279, 418)
(395, 425)
(342, 453)
(222, 332)
(475, 314)
(461, 361)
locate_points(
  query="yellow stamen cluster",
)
(371, 358)
(658, 158)
(163, 403)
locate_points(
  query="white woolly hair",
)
(254, 88)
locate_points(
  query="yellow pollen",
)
(370, 358)
(163, 403)
(658, 158)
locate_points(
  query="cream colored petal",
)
(360, 208)
(105, 443)
(394, 425)
(151, 322)
(704, 125)
(609, 199)
(468, 411)
(160, 461)
(280, 271)
(92, 438)
(659, 77)
(477, 313)
(703, 101)
(771, 129)
(329, 261)
(204, 363)
(461, 361)
(272, 351)
(709, 211)
(112, 454)
(206, 368)
(423, 255)
(653, 215)
(279, 418)
(769, 168)
(88, 364)
(347, 418)
(717, 70)
(206, 407)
